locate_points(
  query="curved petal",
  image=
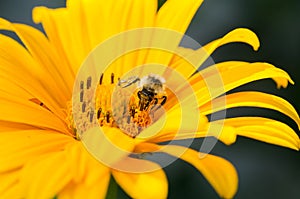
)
(264, 129)
(218, 79)
(18, 147)
(143, 185)
(200, 55)
(220, 173)
(253, 99)
(237, 35)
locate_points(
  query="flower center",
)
(130, 104)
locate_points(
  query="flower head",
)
(108, 87)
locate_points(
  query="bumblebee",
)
(151, 90)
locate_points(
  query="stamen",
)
(91, 115)
(83, 107)
(81, 85)
(107, 116)
(81, 96)
(112, 78)
(89, 82)
(101, 79)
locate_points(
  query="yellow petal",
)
(220, 173)
(17, 65)
(128, 15)
(91, 17)
(57, 25)
(90, 177)
(254, 99)
(35, 176)
(41, 50)
(237, 35)
(85, 163)
(22, 62)
(266, 130)
(10, 187)
(143, 185)
(225, 134)
(13, 89)
(78, 191)
(186, 61)
(109, 145)
(170, 32)
(200, 55)
(16, 110)
(12, 126)
(18, 147)
(185, 11)
(222, 77)
(175, 127)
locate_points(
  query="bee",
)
(151, 90)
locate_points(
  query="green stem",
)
(112, 191)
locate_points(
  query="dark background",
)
(265, 171)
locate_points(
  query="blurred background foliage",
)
(265, 171)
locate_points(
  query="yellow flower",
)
(42, 134)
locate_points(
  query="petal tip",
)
(249, 36)
(37, 14)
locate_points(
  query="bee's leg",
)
(155, 106)
(147, 105)
(141, 104)
(164, 100)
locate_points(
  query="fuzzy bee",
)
(151, 90)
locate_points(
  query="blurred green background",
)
(265, 171)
